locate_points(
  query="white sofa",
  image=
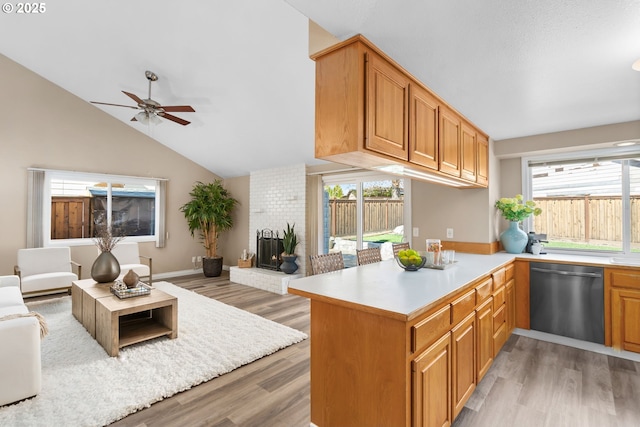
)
(46, 270)
(20, 363)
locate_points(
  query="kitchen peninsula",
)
(397, 348)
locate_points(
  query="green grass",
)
(573, 245)
(387, 237)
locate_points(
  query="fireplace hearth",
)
(269, 246)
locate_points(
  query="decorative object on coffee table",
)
(105, 268)
(209, 211)
(289, 243)
(131, 279)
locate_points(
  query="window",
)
(73, 204)
(590, 202)
(361, 211)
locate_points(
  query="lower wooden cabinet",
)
(463, 353)
(484, 348)
(625, 319)
(431, 372)
(622, 308)
(510, 306)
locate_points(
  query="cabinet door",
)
(625, 319)
(484, 349)
(510, 306)
(469, 154)
(387, 108)
(449, 142)
(432, 385)
(482, 168)
(463, 353)
(423, 128)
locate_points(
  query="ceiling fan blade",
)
(115, 105)
(174, 119)
(178, 108)
(134, 97)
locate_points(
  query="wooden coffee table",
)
(117, 322)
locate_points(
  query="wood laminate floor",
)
(531, 383)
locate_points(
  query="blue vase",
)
(513, 239)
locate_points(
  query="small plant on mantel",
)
(289, 240)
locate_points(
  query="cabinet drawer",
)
(498, 318)
(462, 306)
(625, 279)
(484, 290)
(509, 272)
(498, 279)
(433, 327)
(498, 299)
(499, 338)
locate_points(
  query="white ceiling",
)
(514, 68)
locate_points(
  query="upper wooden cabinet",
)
(450, 147)
(469, 152)
(423, 128)
(482, 167)
(371, 113)
(387, 108)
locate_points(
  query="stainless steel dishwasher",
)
(567, 300)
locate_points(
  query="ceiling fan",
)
(150, 109)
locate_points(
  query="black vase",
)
(289, 265)
(105, 268)
(212, 267)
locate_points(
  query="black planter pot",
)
(212, 267)
(289, 265)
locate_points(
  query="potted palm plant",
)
(289, 243)
(209, 211)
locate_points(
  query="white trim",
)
(97, 176)
(583, 345)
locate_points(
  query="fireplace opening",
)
(268, 249)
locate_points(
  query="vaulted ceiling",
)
(514, 68)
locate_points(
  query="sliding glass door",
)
(363, 211)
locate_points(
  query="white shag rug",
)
(83, 386)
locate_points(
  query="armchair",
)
(46, 270)
(20, 354)
(129, 258)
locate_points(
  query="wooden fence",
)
(380, 215)
(586, 218)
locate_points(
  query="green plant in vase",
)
(515, 209)
(289, 243)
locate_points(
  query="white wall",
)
(277, 197)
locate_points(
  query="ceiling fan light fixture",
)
(636, 65)
(147, 118)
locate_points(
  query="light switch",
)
(416, 232)
(449, 233)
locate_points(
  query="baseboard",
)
(583, 345)
(178, 273)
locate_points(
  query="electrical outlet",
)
(416, 232)
(199, 258)
(449, 233)
(193, 259)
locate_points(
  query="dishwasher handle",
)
(565, 273)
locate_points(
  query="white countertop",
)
(387, 287)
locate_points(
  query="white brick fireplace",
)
(276, 196)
